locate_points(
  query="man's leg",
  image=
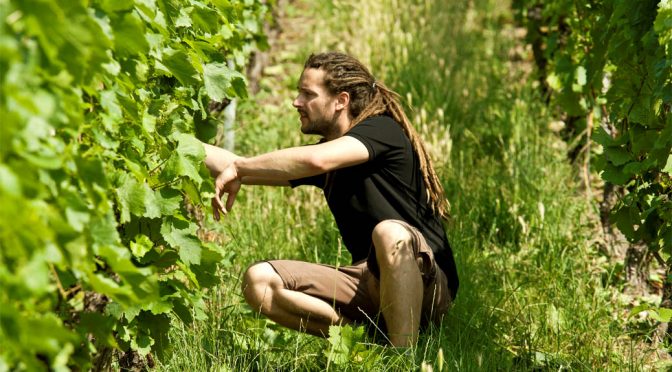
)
(265, 292)
(401, 286)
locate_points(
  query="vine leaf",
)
(177, 63)
(183, 161)
(222, 82)
(668, 167)
(129, 31)
(181, 235)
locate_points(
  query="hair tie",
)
(373, 85)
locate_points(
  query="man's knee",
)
(392, 242)
(259, 282)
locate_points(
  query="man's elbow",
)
(317, 164)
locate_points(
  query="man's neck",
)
(342, 125)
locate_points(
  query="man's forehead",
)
(312, 76)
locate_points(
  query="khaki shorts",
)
(354, 290)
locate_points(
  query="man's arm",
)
(287, 164)
(217, 159)
(303, 161)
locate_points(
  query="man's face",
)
(316, 107)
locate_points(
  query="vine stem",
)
(159, 165)
(65, 294)
(61, 290)
(156, 187)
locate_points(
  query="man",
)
(386, 199)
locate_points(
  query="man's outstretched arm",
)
(303, 161)
(217, 159)
(288, 164)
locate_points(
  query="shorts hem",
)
(284, 274)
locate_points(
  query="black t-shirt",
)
(388, 186)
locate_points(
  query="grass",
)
(533, 293)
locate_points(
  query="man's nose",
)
(296, 103)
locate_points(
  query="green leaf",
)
(634, 168)
(103, 230)
(109, 102)
(158, 327)
(168, 200)
(99, 325)
(183, 20)
(177, 63)
(139, 199)
(34, 275)
(129, 31)
(132, 196)
(662, 315)
(344, 343)
(668, 166)
(643, 140)
(206, 272)
(122, 294)
(205, 19)
(614, 175)
(581, 76)
(617, 155)
(9, 182)
(142, 344)
(141, 245)
(77, 212)
(111, 6)
(626, 218)
(186, 159)
(181, 235)
(222, 82)
(91, 171)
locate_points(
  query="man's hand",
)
(217, 159)
(227, 182)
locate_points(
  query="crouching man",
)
(386, 198)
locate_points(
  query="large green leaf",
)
(129, 32)
(186, 159)
(137, 198)
(181, 235)
(178, 64)
(222, 82)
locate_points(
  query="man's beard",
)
(322, 126)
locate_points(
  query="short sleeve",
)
(380, 135)
(318, 180)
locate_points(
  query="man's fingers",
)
(231, 198)
(220, 205)
(215, 209)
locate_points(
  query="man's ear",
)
(342, 101)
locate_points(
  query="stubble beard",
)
(323, 127)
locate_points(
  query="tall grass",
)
(532, 291)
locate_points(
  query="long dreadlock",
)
(368, 97)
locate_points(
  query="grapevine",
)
(607, 66)
(100, 102)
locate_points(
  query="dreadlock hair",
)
(368, 97)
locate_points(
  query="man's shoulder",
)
(379, 120)
(373, 125)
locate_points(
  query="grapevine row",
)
(100, 104)
(606, 67)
